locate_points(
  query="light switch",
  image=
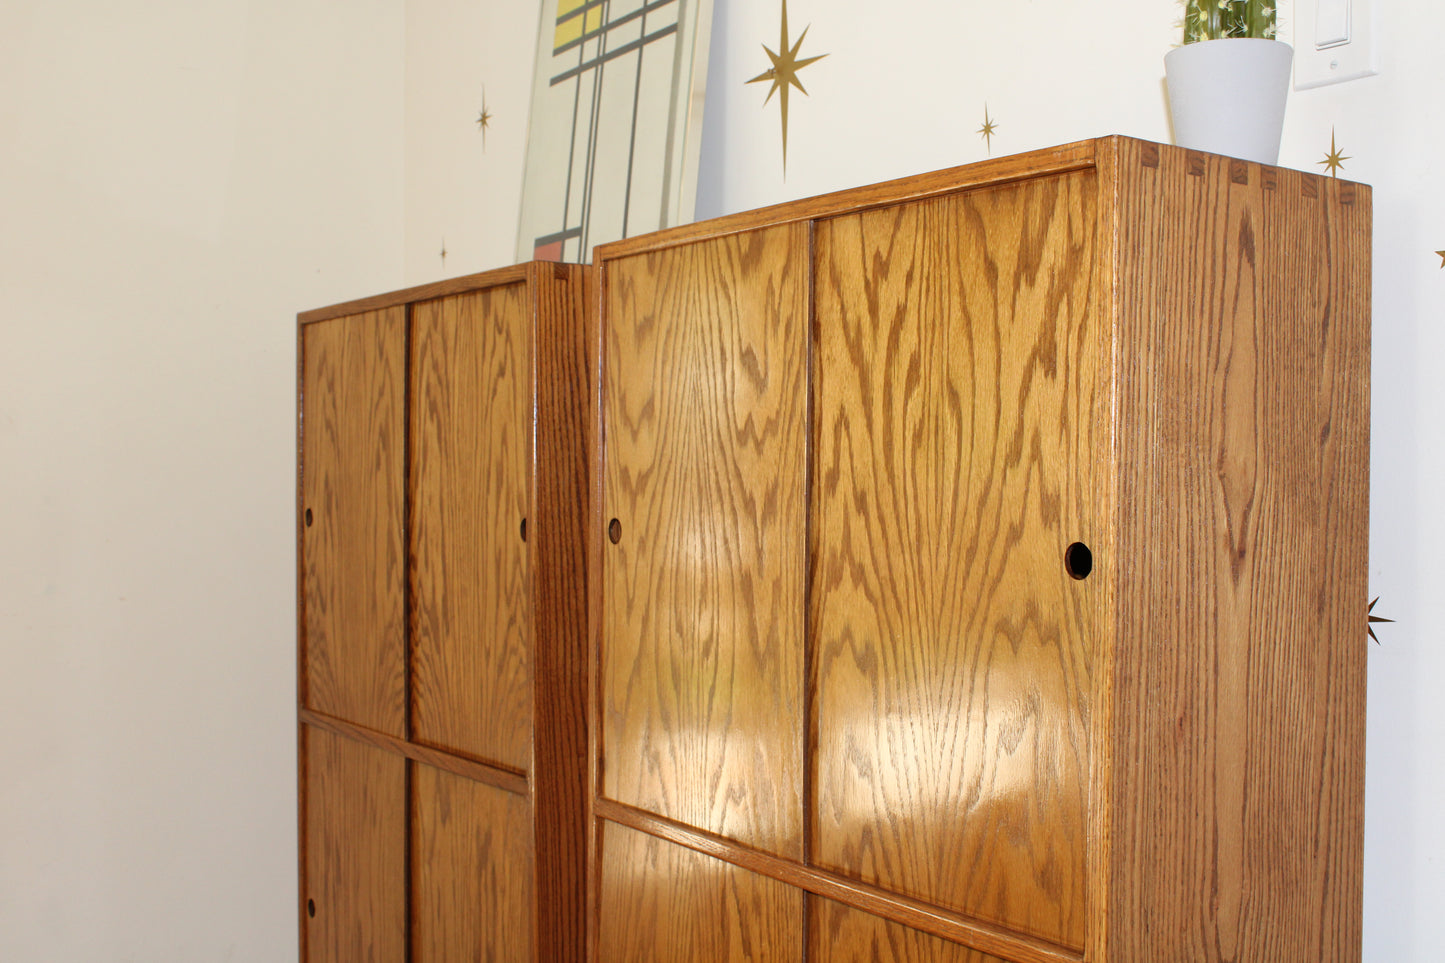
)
(1332, 23)
(1334, 41)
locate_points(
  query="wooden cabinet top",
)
(530, 272)
(1108, 155)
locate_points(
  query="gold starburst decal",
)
(1334, 160)
(784, 74)
(484, 119)
(1370, 625)
(987, 130)
(1442, 258)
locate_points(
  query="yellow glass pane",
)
(567, 31)
(571, 29)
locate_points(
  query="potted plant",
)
(1229, 80)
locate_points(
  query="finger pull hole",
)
(308, 518)
(524, 529)
(614, 531)
(1078, 560)
(311, 908)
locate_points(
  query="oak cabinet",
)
(980, 569)
(442, 663)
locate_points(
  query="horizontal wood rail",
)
(502, 778)
(850, 892)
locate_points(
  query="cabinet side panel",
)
(355, 845)
(471, 422)
(841, 934)
(959, 455)
(664, 903)
(561, 589)
(1238, 743)
(472, 870)
(705, 402)
(352, 444)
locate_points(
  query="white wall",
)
(464, 189)
(177, 179)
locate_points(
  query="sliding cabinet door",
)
(471, 448)
(704, 407)
(958, 457)
(354, 847)
(352, 446)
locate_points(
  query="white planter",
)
(1227, 96)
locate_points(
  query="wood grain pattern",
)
(505, 779)
(1111, 569)
(1238, 769)
(471, 452)
(662, 903)
(472, 871)
(961, 444)
(597, 547)
(353, 632)
(565, 412)
(705, 400)
(839, 934)
(355, 871)
(850, 892)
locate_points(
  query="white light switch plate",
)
(1316, 65)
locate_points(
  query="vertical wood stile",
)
(809, 734)
(303, 953)
(596, 546)
(408, 523)
(1113, 566)
(408, 646)
(558, 543)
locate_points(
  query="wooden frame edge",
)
(596, 301)
(300, 560)
(505, 779)
(515, 274)
(1038, 163)
(870, 899)
(1099, 830)
(556, 544)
